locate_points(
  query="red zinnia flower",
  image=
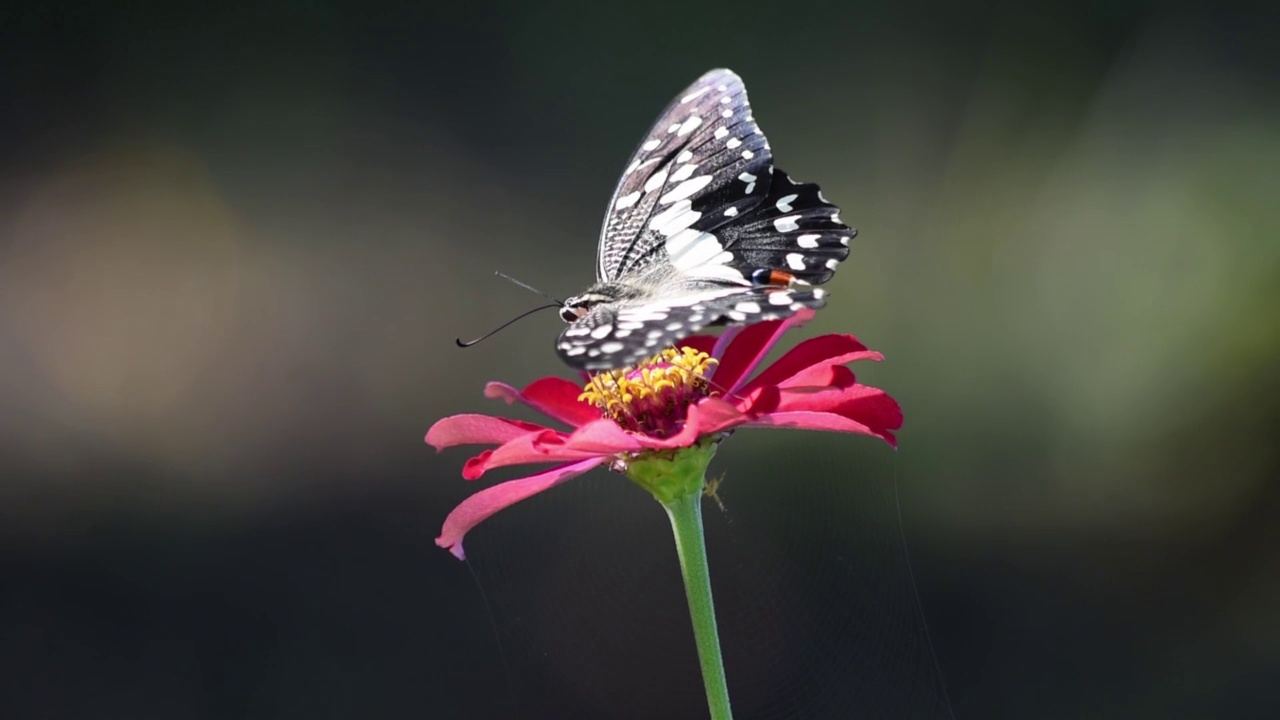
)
(671, 401)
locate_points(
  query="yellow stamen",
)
(657, 384)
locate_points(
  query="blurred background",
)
(236, 246)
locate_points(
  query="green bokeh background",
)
(236, 245)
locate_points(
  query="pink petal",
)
(482, 505)
(722, 342)
(554, 397)
(537, 447)
(820, 377)
(603, 437)
(474, 429)
(822, 350)
(821, 421)
(870, 406)
(750, 347)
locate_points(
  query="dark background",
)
(235, 246)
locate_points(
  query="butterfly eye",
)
(760, 276)
(571, 314)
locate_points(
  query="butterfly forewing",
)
(704, 162)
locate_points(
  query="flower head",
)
(678, 399)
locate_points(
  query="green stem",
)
(686, 522)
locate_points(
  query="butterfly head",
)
(577, 307)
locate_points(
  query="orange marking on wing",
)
(780, 278)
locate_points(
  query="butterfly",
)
(701, 230)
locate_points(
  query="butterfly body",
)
(702, 230)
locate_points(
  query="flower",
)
(677, 399)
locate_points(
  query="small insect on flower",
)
(673, 401)
(702, 230)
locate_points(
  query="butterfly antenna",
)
(527, 286)
(494, 331)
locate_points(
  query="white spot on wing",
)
(731, 211)
(809, 241)
(726, 100)
(747, 154)
(779, 298)
(718, 268)
(693, 95)
(750, 180)
(726, 114)
(651, 145)
(655, 181)
(795, 261)
(690, 248)
(722, 133)
(748, 307)
(674, 219)
(784, 203)
(684, 157)
(786, 224)
(685, 189)
(832, 263)
(611, 347)
(689, 125)
(627, 201)
(602, 331)
(683, 172)
(733, 143)
(575, 350)
(637, 164)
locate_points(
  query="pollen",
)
(652, 397)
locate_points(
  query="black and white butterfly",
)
(702, 230)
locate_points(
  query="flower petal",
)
(831, 422)
(863, 403)
(482, 505)
(820, 377)
(475, 429)
(602, 437)
(819, 351)
(536, 447)
(750, 347)
(554, 397)
(722, 343)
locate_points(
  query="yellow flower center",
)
(653, 396)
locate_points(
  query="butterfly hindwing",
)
(704, 162)
(615, 335)
(795, 230)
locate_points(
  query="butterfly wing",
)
(795, 230)
(615, 335)
(703, 162)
